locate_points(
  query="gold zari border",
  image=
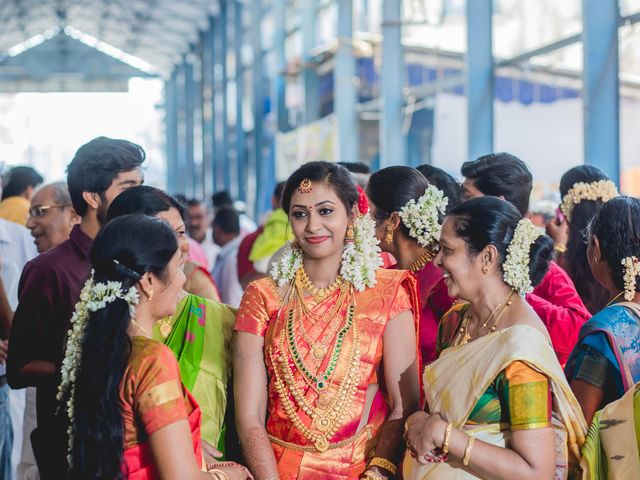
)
(310, 448)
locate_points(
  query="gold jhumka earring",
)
(350, 236)
(389, 236)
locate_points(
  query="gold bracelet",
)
(467, 451)
(560, 248)
(218, 474)
(383, 463)
(447, 437)
(371, 475)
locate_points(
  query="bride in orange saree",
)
(326, 363)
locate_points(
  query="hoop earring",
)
(295, 245)
(389, 235)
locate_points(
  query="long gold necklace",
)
(299, 292)
(321, 346)
(319, 294)
(328, 412)
(317, 380)
(464, 336)
(424, 258)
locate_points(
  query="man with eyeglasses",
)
(51, 216)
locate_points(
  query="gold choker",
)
(424, 258)
(318, 294)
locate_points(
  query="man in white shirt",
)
(16, 249)
(226, 233)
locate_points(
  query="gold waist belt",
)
(311, 448)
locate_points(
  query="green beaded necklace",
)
(319, 381)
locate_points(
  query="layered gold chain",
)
(463, 336)
(319, 348)
(328, 411)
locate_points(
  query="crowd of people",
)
(374, 325)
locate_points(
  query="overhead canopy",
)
(64, 64)
(156, 31)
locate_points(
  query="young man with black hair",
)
(555, 298)
(50, 287)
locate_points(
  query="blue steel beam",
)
(224, 81)
(392, 139)
(218, 145)
(345, 96)
(309, 75)
(189, 90)
(181, 162)
(280, 81)
(198, 145)
(480, 78)
(241, 156)
(171, 124)
(207, 113)
(258, 156)
(601, 95)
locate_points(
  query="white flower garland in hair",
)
(285, 268)
(421, 217)
(93, 297)
(631, 271)
(360, 258)
(516, 266)
(603, 190)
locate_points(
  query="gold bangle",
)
(371, 475)
(467, 451)
(383, 463)
(560, 248)
(218, 474)
(447, 437)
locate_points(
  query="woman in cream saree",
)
(497, 381)
(613, 444)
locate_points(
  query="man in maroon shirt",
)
(50, 287)
(555, 299)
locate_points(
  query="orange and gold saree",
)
(334, 445)
(151, 397)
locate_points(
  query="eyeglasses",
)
(41, 210)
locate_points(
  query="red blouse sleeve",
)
(252, 316)
(560, 308)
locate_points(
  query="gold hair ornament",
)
(305, 186)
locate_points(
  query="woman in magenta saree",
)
(408, 212)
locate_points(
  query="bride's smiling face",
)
(319, 220)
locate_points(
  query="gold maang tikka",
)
(305, 186)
